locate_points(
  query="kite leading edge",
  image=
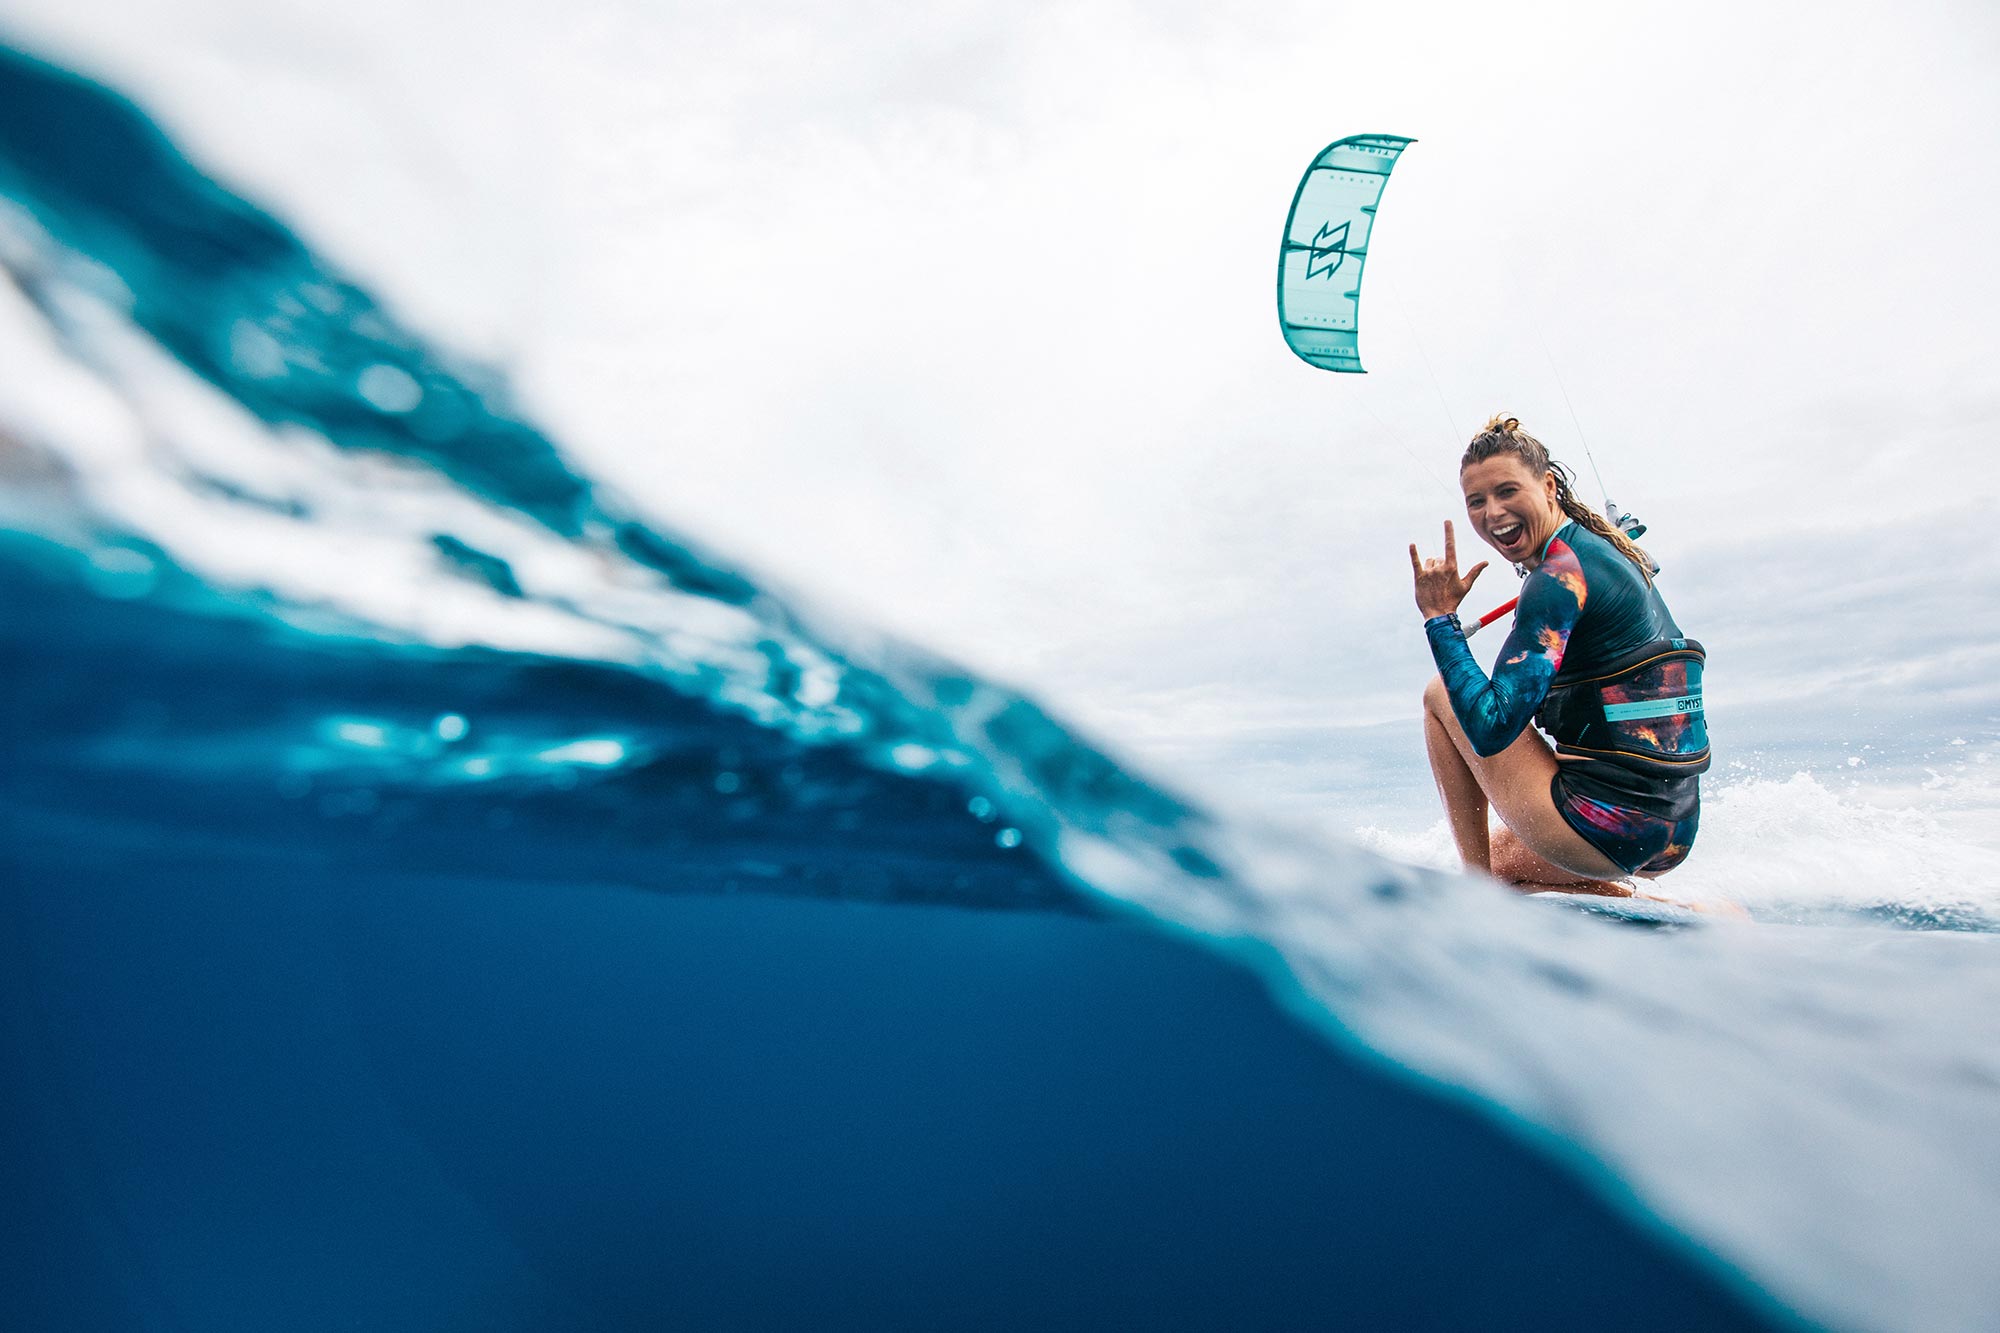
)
(1326, 244)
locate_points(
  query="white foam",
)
(1812, 847)
(1797, 847)
(1431, 847)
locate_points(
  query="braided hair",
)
(1503, 435)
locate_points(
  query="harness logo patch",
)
(1646, 708)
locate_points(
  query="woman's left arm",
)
(1494, 712)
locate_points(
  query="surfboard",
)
(1645, 912)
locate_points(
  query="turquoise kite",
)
(1326, 243)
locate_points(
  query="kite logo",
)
(1334, 248)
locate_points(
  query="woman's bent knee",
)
(1437, 699)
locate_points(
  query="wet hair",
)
(1503, 435)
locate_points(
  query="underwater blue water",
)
(638, 1053)
(437, 896)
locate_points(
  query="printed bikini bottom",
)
(1645, 825)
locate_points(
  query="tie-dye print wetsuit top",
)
(1596, 658)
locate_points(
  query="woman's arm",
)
(1494, 712)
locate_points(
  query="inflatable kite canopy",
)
(1326, 244)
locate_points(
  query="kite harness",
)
(1643, 714)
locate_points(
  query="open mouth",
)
(1508, 535)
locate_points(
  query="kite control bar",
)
(1491, 616)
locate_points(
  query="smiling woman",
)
(1594, 657)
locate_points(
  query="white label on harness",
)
(1680, 703)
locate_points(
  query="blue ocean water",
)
(635, 1052)
(438, 895)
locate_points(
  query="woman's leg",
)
(1464, 799)
(1514, 782)
(1514, 864)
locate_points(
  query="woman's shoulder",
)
(1561, 547)
(1594, 557)
(1627, 605)
(1560, 571)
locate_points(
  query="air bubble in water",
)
(390, 389)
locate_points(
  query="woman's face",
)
(1514, 510)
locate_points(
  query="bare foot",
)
(1707, 906)
(1602, 888)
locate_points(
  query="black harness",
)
(1644, 712)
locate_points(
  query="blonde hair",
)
(1503, 435)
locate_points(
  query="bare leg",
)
(1515, 783)
(1464, 800)
(1514, 864)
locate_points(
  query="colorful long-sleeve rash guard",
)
(1582, 584)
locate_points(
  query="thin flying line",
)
(1603, 491)
(1456, 434)
(1403, 444)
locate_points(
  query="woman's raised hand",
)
(1439, 588)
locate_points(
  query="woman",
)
(1594, 657)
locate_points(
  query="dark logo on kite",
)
(1330, 244)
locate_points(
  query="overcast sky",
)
(962, 319)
